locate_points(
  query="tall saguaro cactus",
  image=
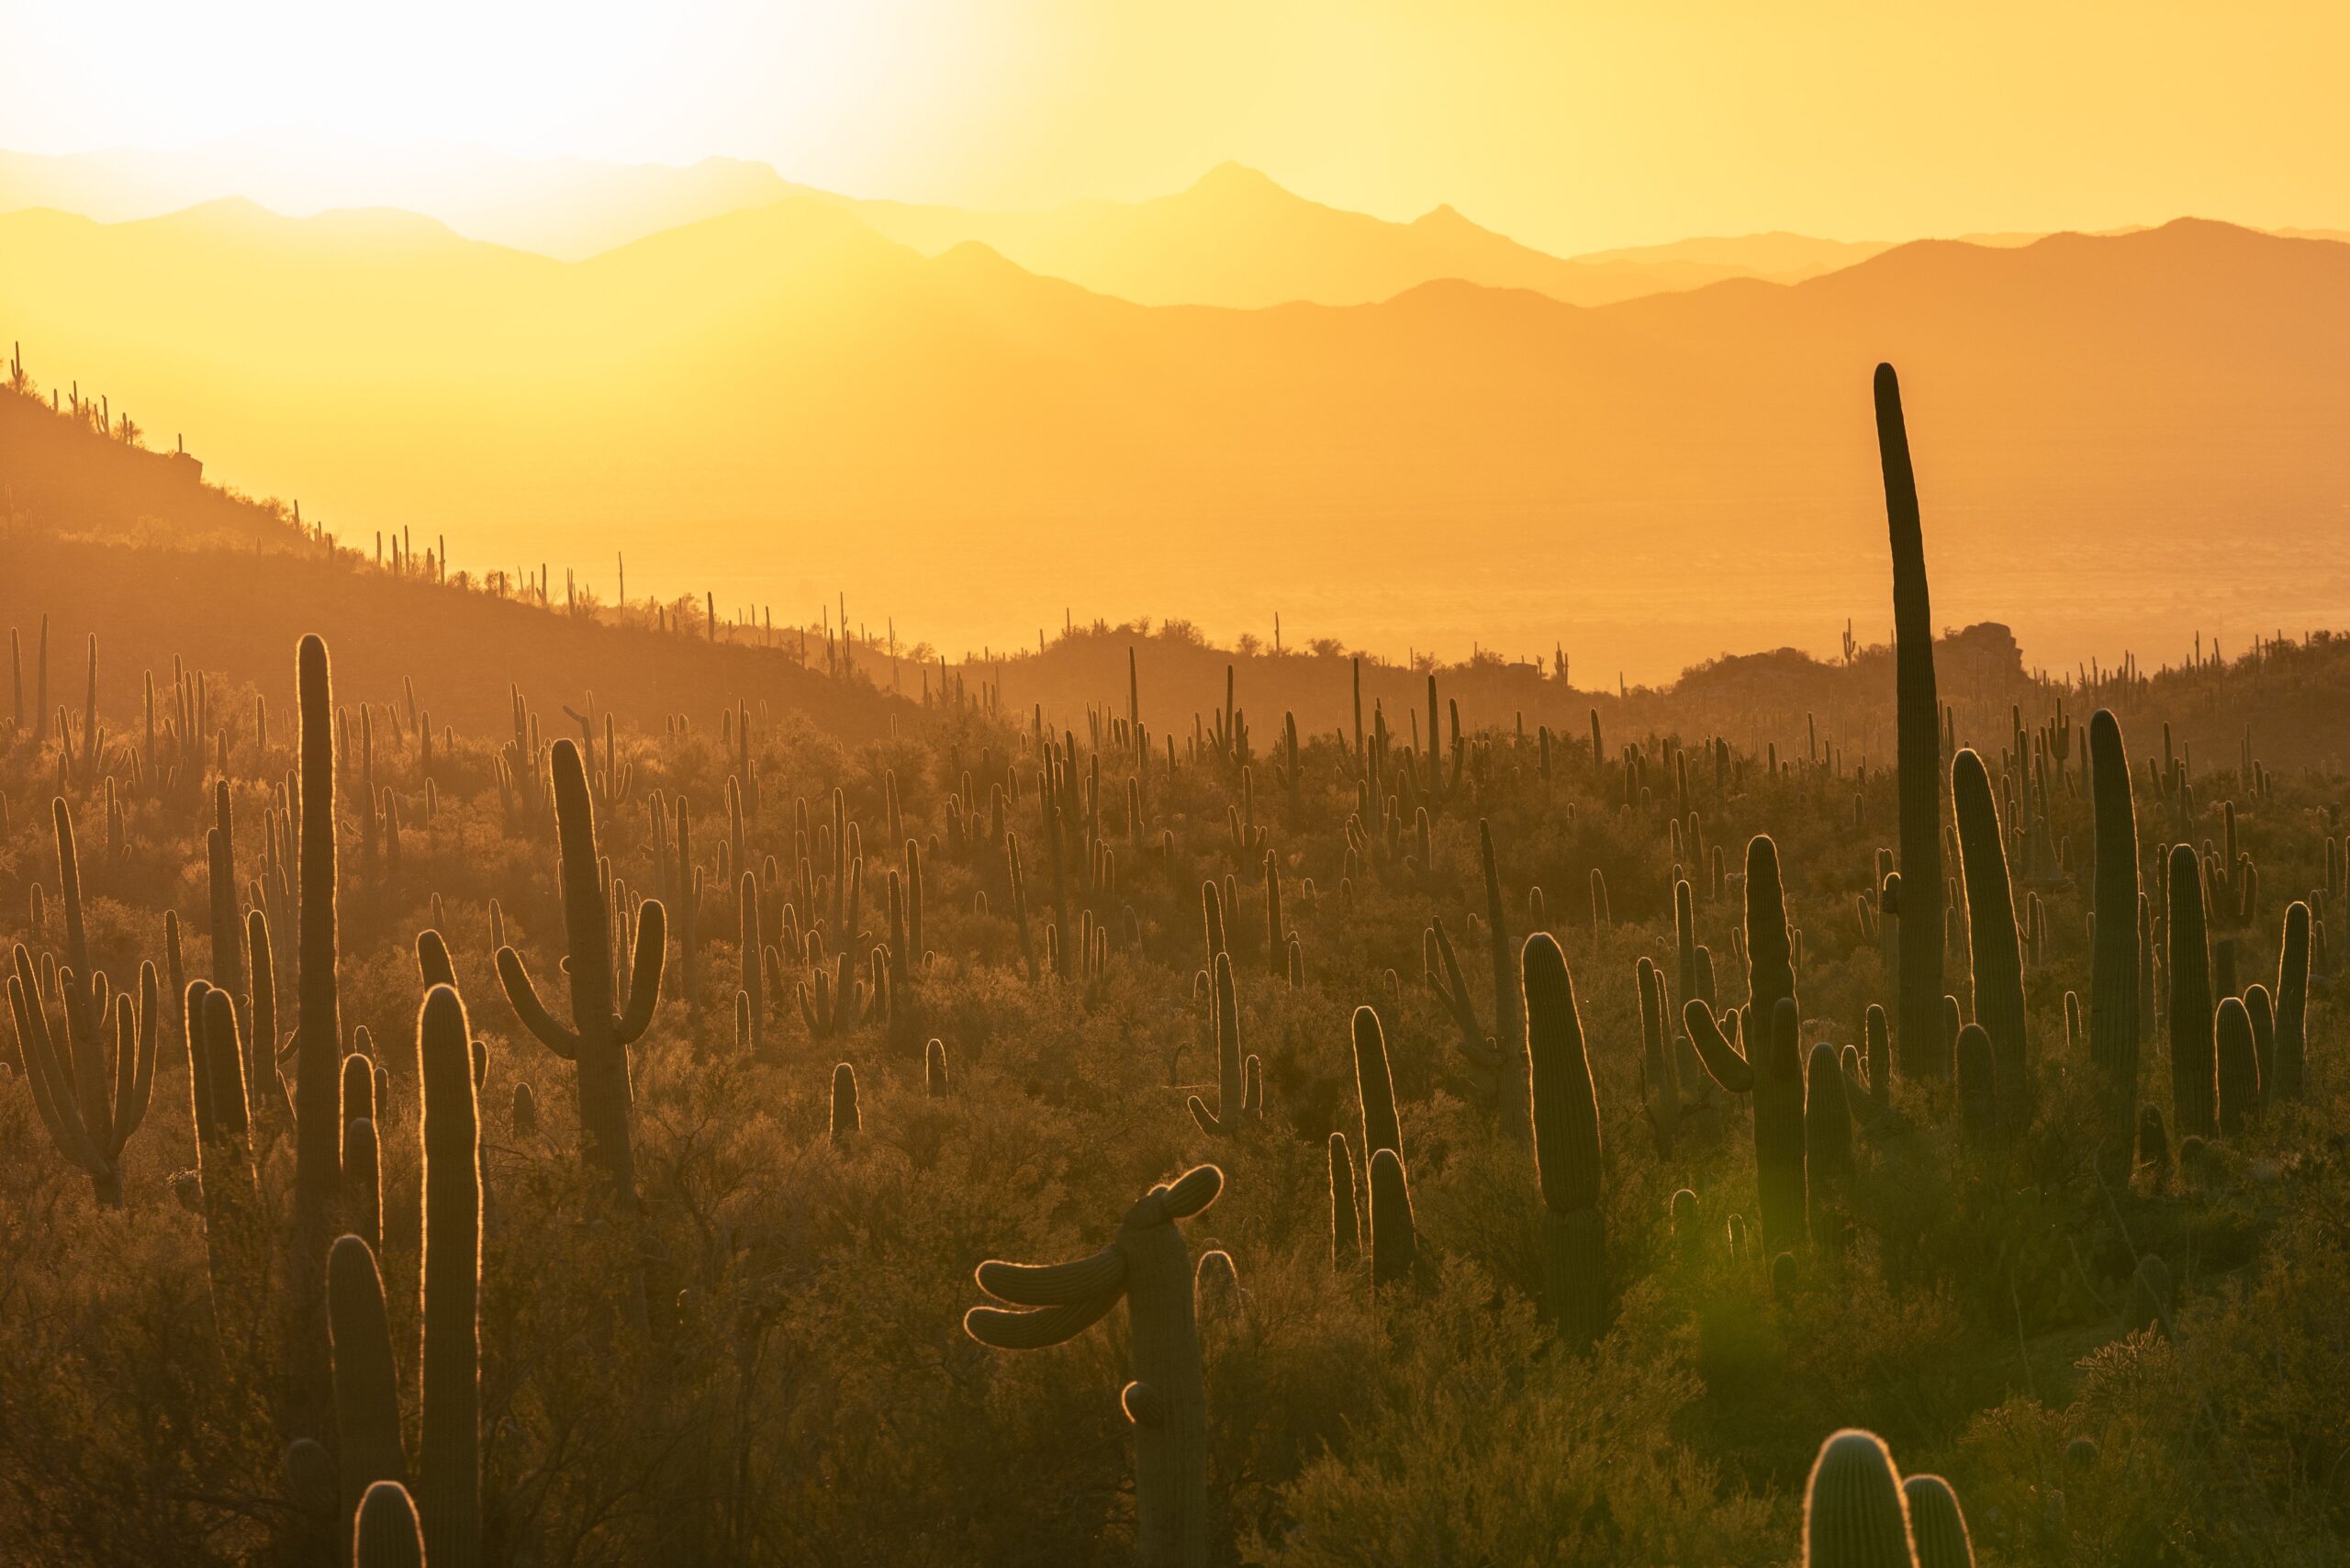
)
(597, 1042)
(2194, 1081)
(1566, 1147)
(449, 1473)
(318, 1057)
(1992, 937)
(2114, 981)
(1917, 1029)
(1148, 1265)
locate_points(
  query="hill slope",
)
(791, 404)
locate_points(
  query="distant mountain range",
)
(1234, 237)
(2114, 433)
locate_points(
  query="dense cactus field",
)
(987, 1133)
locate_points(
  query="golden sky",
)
(1572, 126)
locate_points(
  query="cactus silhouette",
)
(1854, 1515)
(386, 1534)
(2115, 1026)
(1996, 955)
(90, 1099)
(1917, 997)
(597, 1042)
(1240, 1081)
(1938, 1523)
(1566, 1147)
(1148, 1266)
(2193, 1070)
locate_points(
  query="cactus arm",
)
(644, 973)
(530, 1010)
(42, 1070)
(1143, 1404)
(1193, 1191)
(1054, 1284)
(1209, 1123)
(1722, 1061)
(1032, 1331)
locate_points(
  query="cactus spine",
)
(1566, 1148)
(1918, 999)
(1148, 1265)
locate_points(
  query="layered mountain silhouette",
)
(776, 401)
(1234, 238)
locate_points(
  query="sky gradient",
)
(1570, 126)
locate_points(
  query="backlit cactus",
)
(1566, 1148)
(1997, 961)
(1854, 1515)
(1937, 1524)
(1240, 1080)
(2193, 1069)
(2115, 1024)
(1917, 1036)
(1148, 1265)
(596, 1041)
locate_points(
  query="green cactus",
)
(1937, 1524)
(1566, 1148)
(1917, 1037)
(1147, 1264)
(1997, 954)
(1854, 1515)
(1240, 1081)
(597, 1043)
(2193, 1070)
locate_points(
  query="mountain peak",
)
(1235, 179)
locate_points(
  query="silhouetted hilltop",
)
(103, 535)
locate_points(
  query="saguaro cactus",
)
(1375, 1087)
(1147, 1264)
(1345, 1223)
(1771, 1068)
(1566, 1148)
(597, 1043)
(318, 1053)
(1854, 1515)
(449, 1477)
(90, 1098)
(1991, 937)
(2292, 1005)
(367, 1382)
(1240, 1081)
(386, 1534)
(1937, 1523)
(1395, 1232)
(2115, 1026)
(1918, 746)
(2193, 1075)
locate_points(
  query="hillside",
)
(103, 537)
(792, 405)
